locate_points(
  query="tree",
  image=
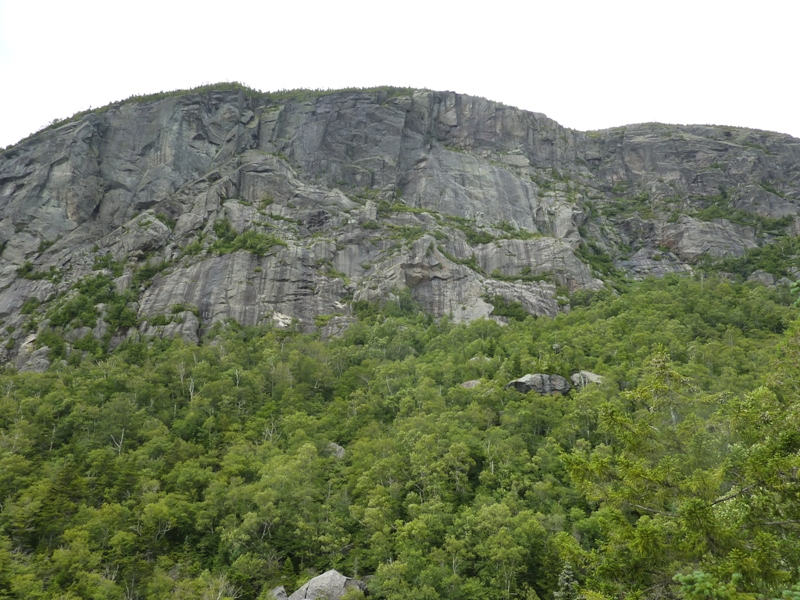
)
(567, 585)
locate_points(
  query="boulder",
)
(584, 378)
(471, 383)
(336, 450)
(37, 361)
(331, 585)
(541, 383)
(335, 327)
(762, 277)
(278, 593)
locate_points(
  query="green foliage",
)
(143, 275)
(207, 471)
(514, 233)
(321, 320)
(181, 307)
(257, 243)
(386, 208)
(702, 586)
(326, 267)
(80, 308)
(166, 220)
(119, 314)
(507, 308)
(568, 588)
(27, 271)
(588, 297)
(407, 233)
(777, 258)
(224, 231)
(771, 189)
(159, 320)
(44, 245)
(475, 235)
(524, 275)
(79, 311)
(56, 343)
(30, 305)
(401, 305)
(471, 262)
(106, 261)
(673, 463)
(592, 253)
(252, 241)
(90, 344)
(719, 207)
(194, 248)
(385, 92)
(625, 206)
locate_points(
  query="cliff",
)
(168, 215)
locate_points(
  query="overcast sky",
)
(586, 64)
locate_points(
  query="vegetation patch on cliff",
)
(255, 242)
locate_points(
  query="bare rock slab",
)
(331, 585)
(278, 593)
(541, 383)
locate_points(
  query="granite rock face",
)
(541, 383)
(229, 205)
(278, 593)
(331, 585)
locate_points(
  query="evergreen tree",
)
(568, 588)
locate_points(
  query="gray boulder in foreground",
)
(541, 383)
(331, 585)
(584, 378)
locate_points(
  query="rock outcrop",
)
(336, 450)
(331, 585)
(278, 593)
(584, 378)
(540, 383)
(287, 210)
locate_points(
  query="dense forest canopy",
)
(264, 456)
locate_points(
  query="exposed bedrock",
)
(245, 207)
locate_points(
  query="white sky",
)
(586, 64)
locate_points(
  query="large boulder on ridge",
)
(541, 383)
(331, 585)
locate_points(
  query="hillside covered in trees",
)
(262, 456)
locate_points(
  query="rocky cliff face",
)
(193, 209)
